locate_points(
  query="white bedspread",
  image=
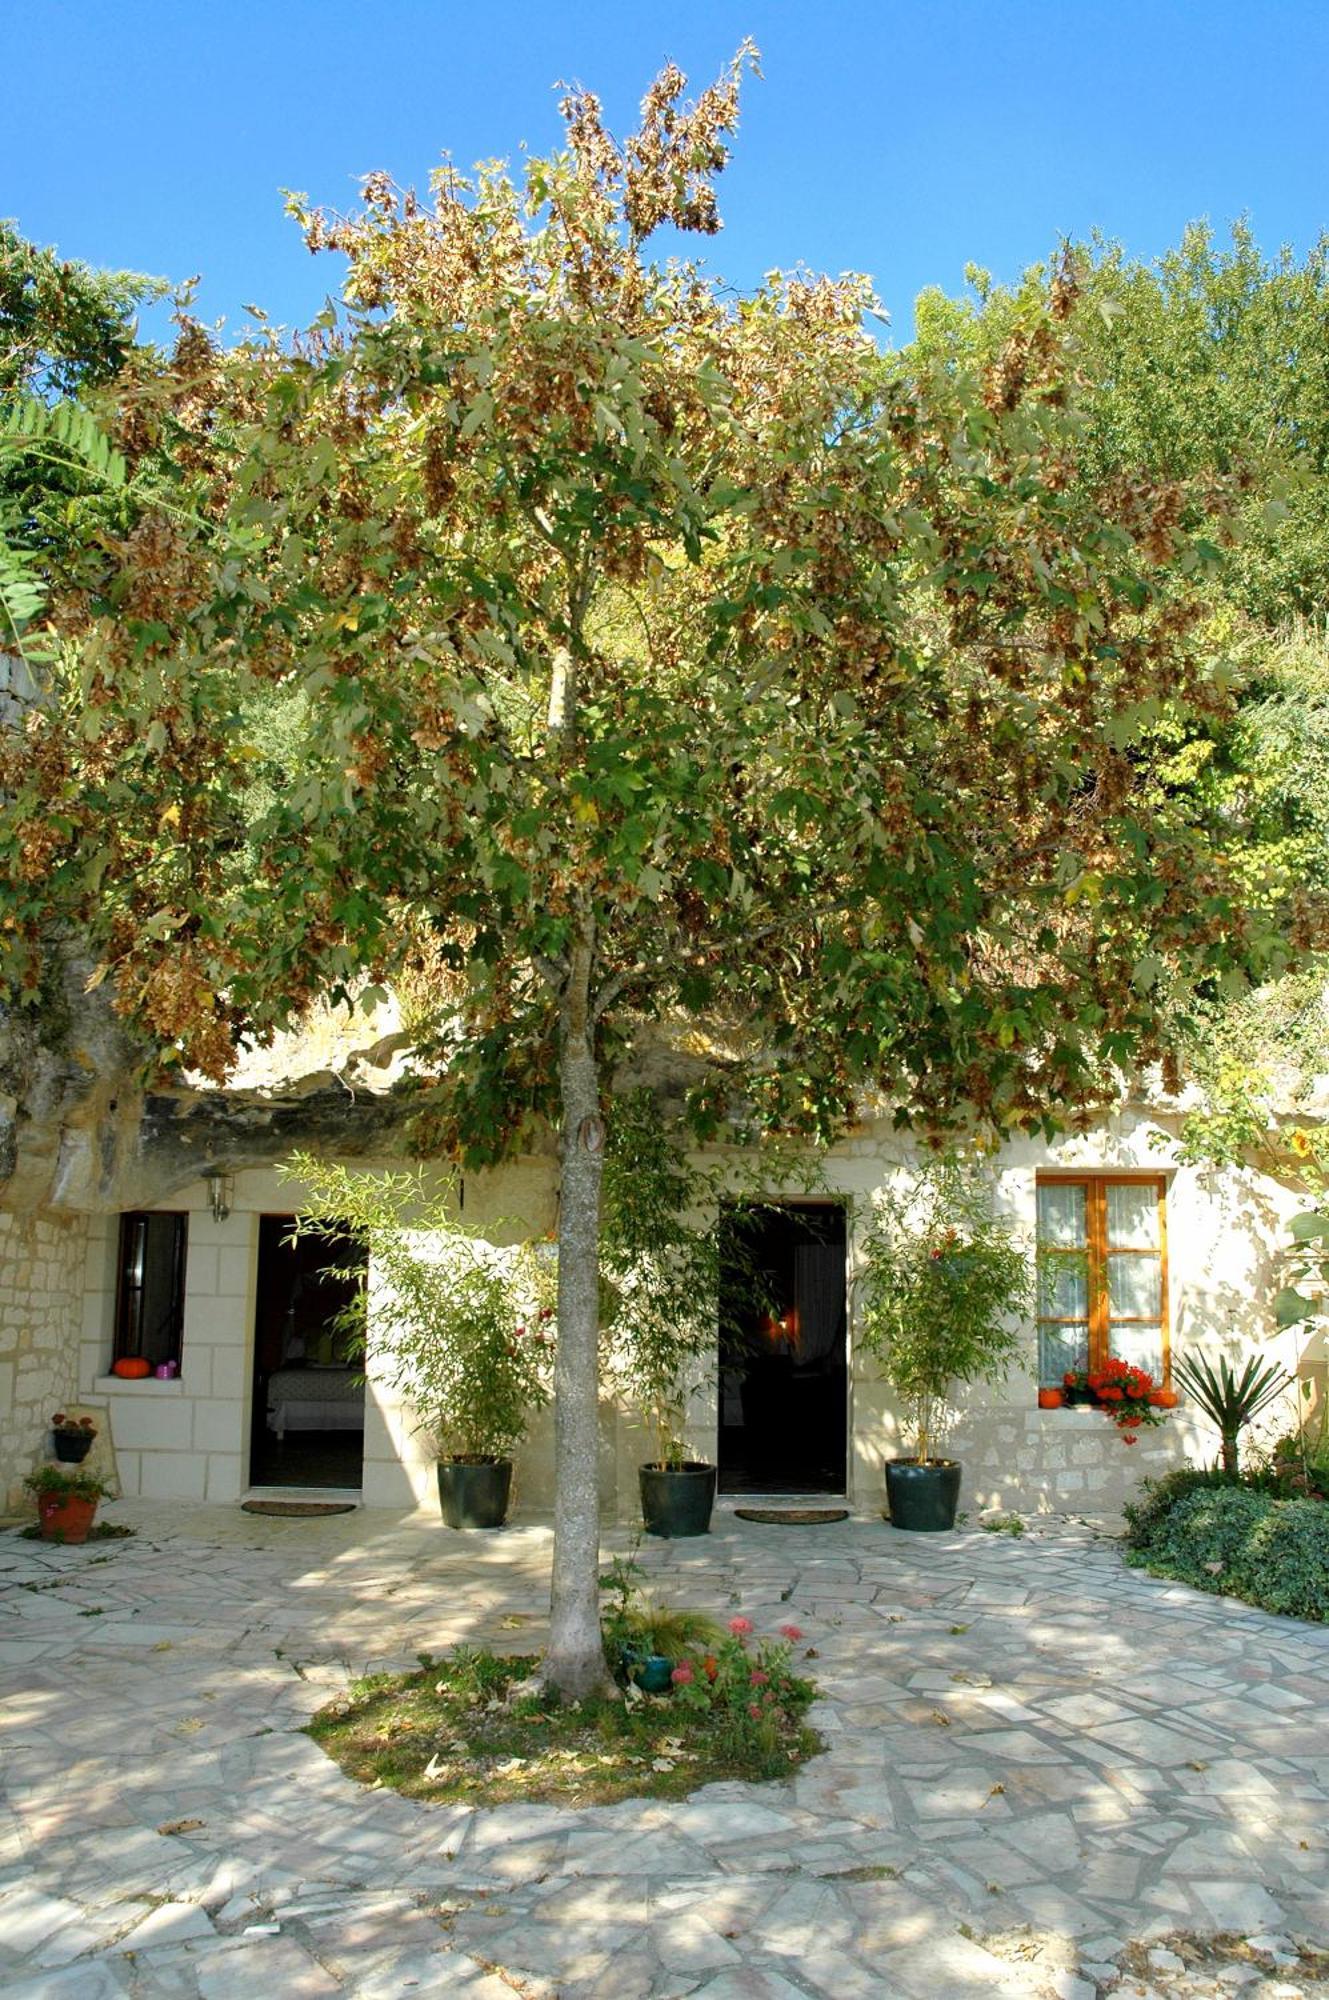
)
(316, 1399)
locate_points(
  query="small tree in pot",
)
(459, 1324)
(941, 1280)
(660, 1271)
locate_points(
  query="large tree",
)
(624, 659)
(1207, 365)
(65, 332)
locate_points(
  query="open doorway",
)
(783, 1362)
(309, 1397)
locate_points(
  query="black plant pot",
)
(72, 1447)
(923, 1497)
(474, 1493)
(676, 1500)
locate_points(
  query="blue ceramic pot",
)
(652, 1676)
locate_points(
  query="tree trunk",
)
(1230, 1453)
(575, 1661)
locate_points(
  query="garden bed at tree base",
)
(463, 1730)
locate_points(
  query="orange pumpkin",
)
(132, 1367)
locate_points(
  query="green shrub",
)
(1223, 1536)
(66, 1482)
(1157, 1498)
(1300, 1463)
(1203, 1533)
(1284, 1564)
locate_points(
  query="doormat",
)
(792, 1517)
(291, 1509)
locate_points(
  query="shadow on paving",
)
(1036, 1758)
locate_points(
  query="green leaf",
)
(1291, 1308)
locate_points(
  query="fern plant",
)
(61, 434)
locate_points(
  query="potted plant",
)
(940, 1283)
(66, 1501)
(661, 1277)
(1127, 1396)
(460, 1324)
(645, 1641)
(73, 1437)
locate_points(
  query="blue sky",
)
(904, 138)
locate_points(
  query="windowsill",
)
(1092, 1409)
(134, 1385)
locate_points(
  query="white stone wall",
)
(1225, 1233)
(190, 1439)
(187, 1439)
(41, 1288)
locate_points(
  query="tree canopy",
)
(625, 660)
(1208, 366)
(66, 331)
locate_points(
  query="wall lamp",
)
(221, 1191)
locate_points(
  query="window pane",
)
(1061, 1348)
(1132, 1214)
(1142, 1346)
(1063, 1285)
(150, 1307)
(1135, 1285)
(1061, 1215)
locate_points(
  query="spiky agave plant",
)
(1229, 1400)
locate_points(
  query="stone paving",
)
(1036, 1759)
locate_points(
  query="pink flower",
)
(757, 1678)
(740, 1626)
(791, 1632)
(754, 1711)
(682, 1675)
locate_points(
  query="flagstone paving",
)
(1036, 1758)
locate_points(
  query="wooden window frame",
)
(1096, 1185)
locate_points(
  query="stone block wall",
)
(41, 1300)
(187, 1439)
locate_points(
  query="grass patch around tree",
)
(479, 1729)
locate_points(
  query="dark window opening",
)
(150, 1294)
(783, 1421)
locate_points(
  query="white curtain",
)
(819, 1301)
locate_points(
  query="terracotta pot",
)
(65, 1517)
(130, 1368)
(1049, 1399)
(1163, 1399)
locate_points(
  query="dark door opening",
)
(783, 1364)
(308, 1423)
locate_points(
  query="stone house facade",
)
(205, 1431)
